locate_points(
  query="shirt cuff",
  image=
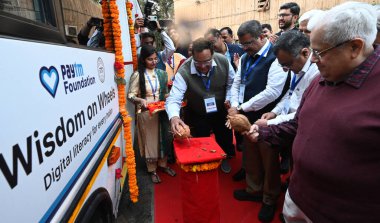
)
(272, 122)
(245, 107)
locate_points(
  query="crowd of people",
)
(309, 92)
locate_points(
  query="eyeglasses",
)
(318, 54)
(202, 63)
(247, 44)
(283, 15)
(285, 68)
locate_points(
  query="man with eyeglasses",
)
(287, 18)
(230, 51)
(292, 50)
(335, 132)
(258, 86)
(293, 53)
(204, 81)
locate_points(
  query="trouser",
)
(262, 170)
(238, 138)
(152, 164)
(201, 126)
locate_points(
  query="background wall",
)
(77, 13)
(205, 14)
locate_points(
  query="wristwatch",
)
(239, 108)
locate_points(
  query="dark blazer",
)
(279, 33)
(232, 49)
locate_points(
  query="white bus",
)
(62, 147)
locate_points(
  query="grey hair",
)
(313, 21)
(252, 27)
(348, 21)
(308, 15)
(292, 42)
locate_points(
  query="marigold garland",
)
(200, 167)
(112, 35)
(129, 6)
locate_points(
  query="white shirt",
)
(310, 71)
(227, 54)
(173, 102)
(169, 47)
(275, 84)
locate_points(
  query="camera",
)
(152, 18)
(150, 12)
(97, 22)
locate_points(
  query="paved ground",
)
(143, 210)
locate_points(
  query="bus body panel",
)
(57, 104)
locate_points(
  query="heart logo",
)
(49, 79)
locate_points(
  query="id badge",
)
(241, 93)
(210, 104)
(285, 110)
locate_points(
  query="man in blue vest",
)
(230, 51)
(258, 86)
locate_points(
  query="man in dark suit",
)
(230, 51)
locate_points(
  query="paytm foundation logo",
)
(49, 79)
(72, 76)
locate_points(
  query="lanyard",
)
(170, 62)
(249, 69)
(295, 82)
(207, 82)
(151, 85)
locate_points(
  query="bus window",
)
(35, 10)
(32, 19)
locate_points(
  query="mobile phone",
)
(152, 18)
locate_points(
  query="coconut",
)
(239, 122)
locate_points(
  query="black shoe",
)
(225, 166)
(266, 212)
(240, 175)
(284, 165)
(240, 147)
(243, 195)
(171, 160)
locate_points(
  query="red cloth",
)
(200, 196)
(198, 150)
(200, 190)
